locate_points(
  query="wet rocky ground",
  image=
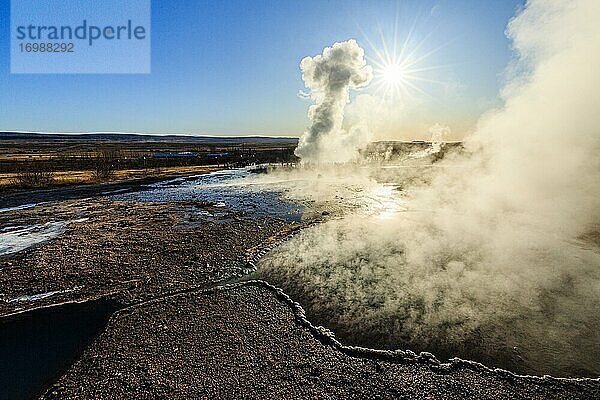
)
(131, 250)
(20, 197)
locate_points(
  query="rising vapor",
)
(498, 255)
(330, 76)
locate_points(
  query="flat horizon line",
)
(200, 135)
(146, 134)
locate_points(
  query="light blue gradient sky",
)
(231, 67)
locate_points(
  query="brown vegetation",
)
(48, 160)
(106, 163)
(35, 174)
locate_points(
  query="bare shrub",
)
(106, 163)
(34, 175)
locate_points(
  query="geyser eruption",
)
(438, 135)
(498, 256)
(330, 76)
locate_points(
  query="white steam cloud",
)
(438, 134)
(330, 76)
(498, 256)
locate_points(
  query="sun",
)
(393, 74)
(403, 75)
(402, 69)
(393, 79)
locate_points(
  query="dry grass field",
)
(9, 181)
(39, 161)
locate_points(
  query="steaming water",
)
(358, 274)
(498, 260)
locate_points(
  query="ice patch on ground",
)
(18, 238)
(21, 207)
(114, 191)
(39, 296)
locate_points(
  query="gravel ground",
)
(249, 340)
(133, 251)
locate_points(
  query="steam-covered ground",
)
(492, 253)
(384, 273)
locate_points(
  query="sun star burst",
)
(404, 72)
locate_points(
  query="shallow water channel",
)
(37, 345)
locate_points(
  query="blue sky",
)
(231, 67)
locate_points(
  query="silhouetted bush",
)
(34, 175)
(105, 164)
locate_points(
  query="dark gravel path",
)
(250, 341)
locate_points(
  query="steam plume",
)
(438, 133)
(498, 258)
(329, 77)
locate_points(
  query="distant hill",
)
(129, 137)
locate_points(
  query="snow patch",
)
(18, 238)
(21, 207)
(39, 296)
